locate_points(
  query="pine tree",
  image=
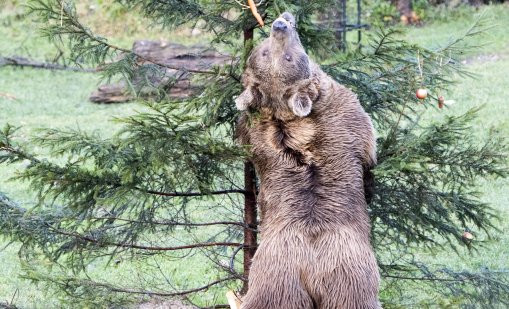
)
(173, 187)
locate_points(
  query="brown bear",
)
(312, 145)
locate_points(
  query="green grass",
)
(494, 19)
(20, 34)
(60, 99)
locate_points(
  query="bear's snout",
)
(280, 25)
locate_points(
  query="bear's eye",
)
(288, 57)
(265, 52)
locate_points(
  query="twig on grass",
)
(8, 95)
(18, 61)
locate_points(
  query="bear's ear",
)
(244, 99)
(301, 104)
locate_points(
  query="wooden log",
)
(8, 96)
(177, 82)
(111, 93)
(233, 300)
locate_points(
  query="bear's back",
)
(310, 168)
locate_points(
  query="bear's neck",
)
(283, 44)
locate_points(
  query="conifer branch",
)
(173, 223)
(71, 26)
(153, 293)
(189, 194)
(142, 247)
(127, 51)
(18, 153)
(73, 282)
(422, 278)
(23, 155)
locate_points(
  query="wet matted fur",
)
(312, 145)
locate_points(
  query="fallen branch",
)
(18, 61)
(8, 96)
(233, 300)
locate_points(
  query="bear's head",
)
(278, 72)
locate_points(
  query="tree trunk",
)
(250, 211)
(407, 15)
(250, 219)
(405, 8)
(335, 19)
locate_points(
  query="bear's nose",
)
(279, 25)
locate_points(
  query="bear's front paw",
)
(244, 100)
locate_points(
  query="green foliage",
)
(383, 13)
(379, 12)
(169, 185)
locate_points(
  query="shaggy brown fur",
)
(311, 144)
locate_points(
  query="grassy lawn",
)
(494, 19)
(55, 99)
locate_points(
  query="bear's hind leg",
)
(275, 277)
(277, 293)
(346, 273)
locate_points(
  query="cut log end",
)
(233, 300)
